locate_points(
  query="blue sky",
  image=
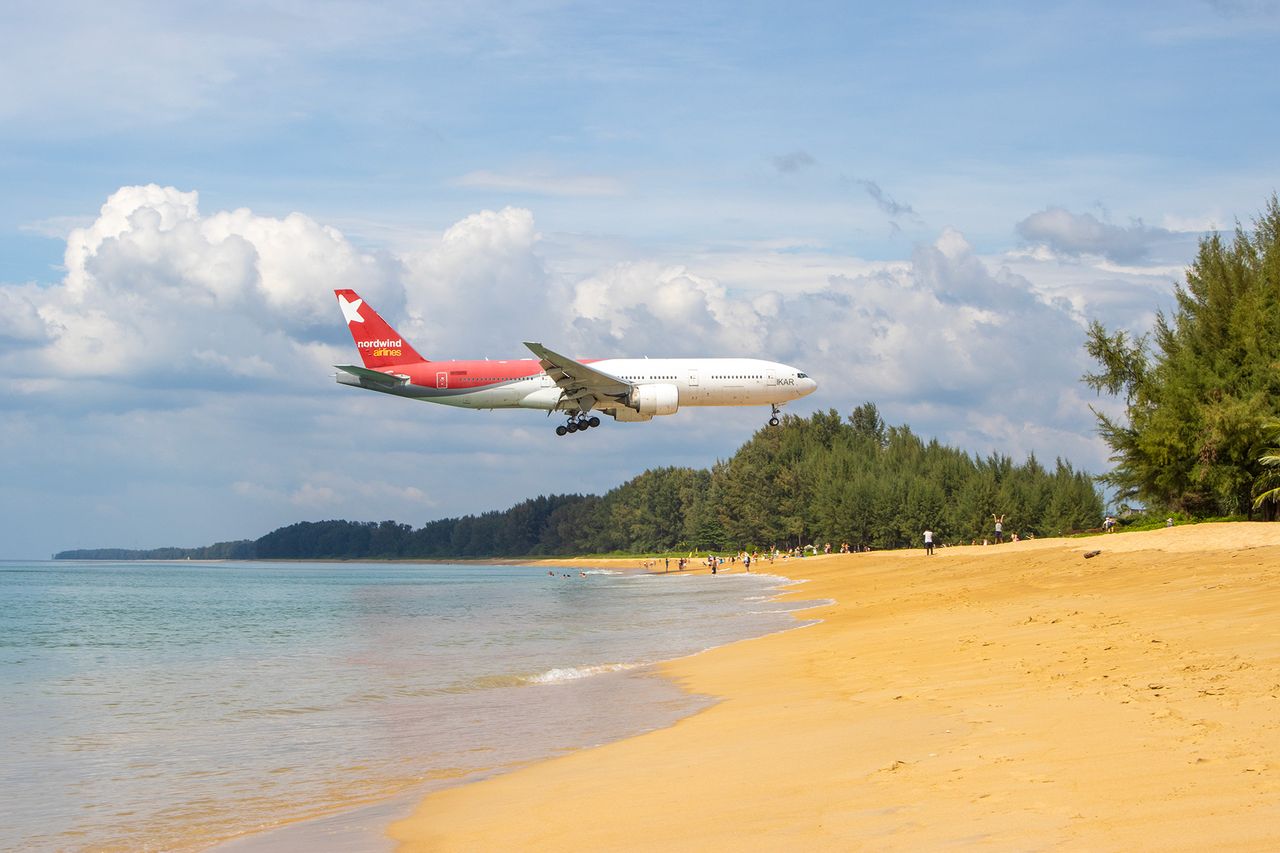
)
(921, 205)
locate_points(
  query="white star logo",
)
(351, 310)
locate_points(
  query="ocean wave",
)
(560, 675)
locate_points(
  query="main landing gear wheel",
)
(578, 425)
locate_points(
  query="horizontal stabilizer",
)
(376, 376)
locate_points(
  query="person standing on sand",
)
(999, 527)
(928, 542)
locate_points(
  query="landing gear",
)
(773, 421)
(578, 423)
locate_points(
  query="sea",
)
(190, 705)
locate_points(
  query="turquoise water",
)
(169, 706)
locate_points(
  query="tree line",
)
(240, 549)
(807, 481)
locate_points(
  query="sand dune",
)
(1016, 697)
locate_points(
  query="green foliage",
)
(1197, 400)
(810, 480)
(243, 549)
(1266, 488)
(1157, 521)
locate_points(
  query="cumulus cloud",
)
(944, 323)
(1074, 235)
(154, 288)
(650, 308)
(945, 327)
(159, 293)
(483, 284)
(22, 321)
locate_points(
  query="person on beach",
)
(928, 543)
(999, 520)
(746, 562)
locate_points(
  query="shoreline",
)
(620, 563)
(359, 826)
(984, 696)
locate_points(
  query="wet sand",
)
(1006, 697)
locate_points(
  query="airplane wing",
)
(579, 382)
(375, 376)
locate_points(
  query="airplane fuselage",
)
(523, 384)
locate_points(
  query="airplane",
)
(628, 389)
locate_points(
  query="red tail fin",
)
(379, 344)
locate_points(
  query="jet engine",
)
(660, 399)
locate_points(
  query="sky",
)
(921, 205)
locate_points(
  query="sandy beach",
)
(1013, 697)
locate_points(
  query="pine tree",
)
(1199, 394)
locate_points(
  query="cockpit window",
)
(802, 376)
